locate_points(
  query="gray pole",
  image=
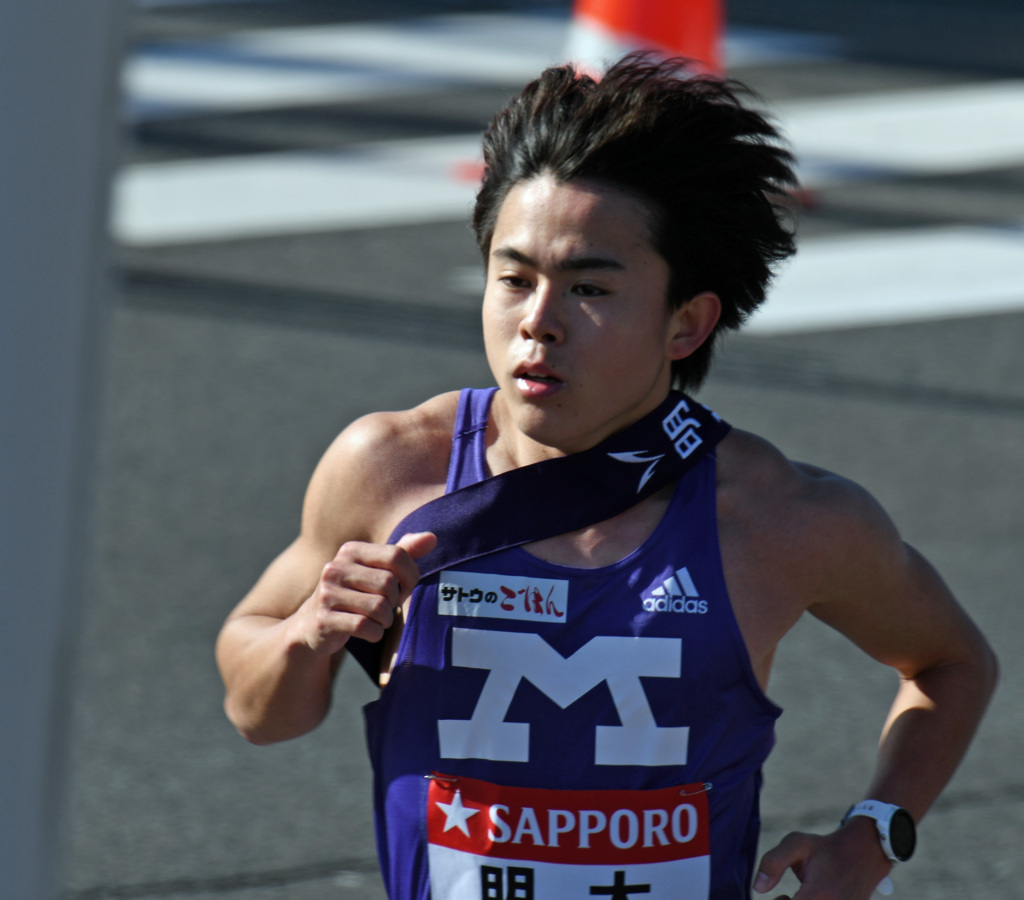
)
(58, 69)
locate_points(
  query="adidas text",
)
(675, 604)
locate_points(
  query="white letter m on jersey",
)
(619, 661)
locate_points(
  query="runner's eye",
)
(516, 282)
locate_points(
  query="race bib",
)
(502, 843)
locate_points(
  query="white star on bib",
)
(456, 814)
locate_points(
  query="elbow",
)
(979, 673)
(256, 737)
(262, 728)
(249, 726)
(965, 681)
(246, 725)
(989, 665)
(985, 666)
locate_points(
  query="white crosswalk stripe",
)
(314, 64)
(303, 65)
(833, 282)
(935, 131)
(876, 278)
(392, 183)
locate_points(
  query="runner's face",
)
(577, 326)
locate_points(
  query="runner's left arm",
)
(885, 597)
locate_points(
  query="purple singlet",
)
(552, 732)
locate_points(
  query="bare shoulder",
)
(796, 538)
(796, 504)
(379, 469)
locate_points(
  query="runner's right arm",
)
(279, 649)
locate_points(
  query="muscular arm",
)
(829, 544)
(280, 648)
(885, 597)
(947, 673)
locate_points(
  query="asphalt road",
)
(234, 360)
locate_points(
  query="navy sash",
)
(560, 495)
(567, 493)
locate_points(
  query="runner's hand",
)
(360, 590)
(847, 864)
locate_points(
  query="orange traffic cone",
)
(602, 31)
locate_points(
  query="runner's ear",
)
(692, 324)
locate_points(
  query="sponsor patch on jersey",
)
(488, 841)
(502, 597)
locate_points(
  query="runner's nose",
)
(541, 321)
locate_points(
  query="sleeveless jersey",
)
(551, 732)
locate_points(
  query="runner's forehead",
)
(579, 224)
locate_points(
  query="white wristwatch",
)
(896, 829)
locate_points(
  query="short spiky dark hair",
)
(709, 170)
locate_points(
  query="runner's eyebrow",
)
(573, 264)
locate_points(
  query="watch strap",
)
(883, 814)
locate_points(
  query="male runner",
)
(585, 715)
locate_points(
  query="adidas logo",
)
(676, 594)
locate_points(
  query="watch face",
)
(902, 835)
